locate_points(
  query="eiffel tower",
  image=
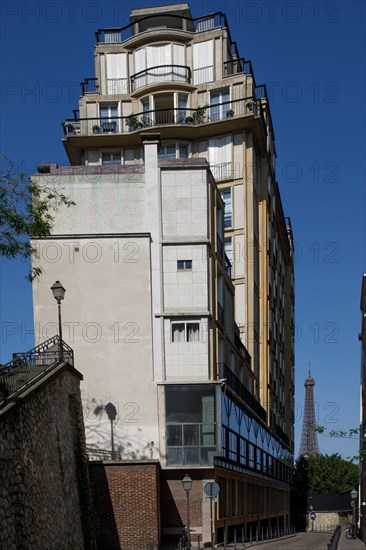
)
(309, 438)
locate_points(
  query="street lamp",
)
(354, 494)
(187, 486)
(58, 292)
(111, 411)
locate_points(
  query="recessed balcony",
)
(160, 74)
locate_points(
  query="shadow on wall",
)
(170, 514)
(107, 533)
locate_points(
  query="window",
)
(113, 157)
(173, 150)
(219, 104)
(184, 264)
(228, 213)
(185, 332)
(125, 156)
(203, 62)
(190, 424)
(109, 118)
(116, 73)
(220, 157)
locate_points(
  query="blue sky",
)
(312, 57)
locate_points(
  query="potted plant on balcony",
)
(199, 115)
(229, 113)
(133, 123)
(96, 129)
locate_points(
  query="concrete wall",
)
(41, 445)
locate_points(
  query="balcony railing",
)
(148, 119)
(89, 86)
(228, 266)
(161, 21)
(219, 246)
(237, 66)
(238, 387)
(25, 366)
(159, 74)
(240, 346)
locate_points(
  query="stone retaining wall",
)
(41, 438)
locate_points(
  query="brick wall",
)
(126, 497)
(41, 438)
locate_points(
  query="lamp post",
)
(111, 411)
(58, 292)
(187, 486)
(354, 494)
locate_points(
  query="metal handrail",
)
(146, 72)
(25, 366)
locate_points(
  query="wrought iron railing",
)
(158, 117)
(228, 266)
(25, 366)
(240, 346)
(241, 391)
(160, 73)
(89, 86)
(219, 246)
(166, 21)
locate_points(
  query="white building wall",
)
(185, 289)
(106, 319)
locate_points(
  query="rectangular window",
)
(203, 62)
(228, 213)
(220, 157)
(112, 157)
(185, 332)
(184, 264)
(220, 104)
(109, 118)
(190, 424)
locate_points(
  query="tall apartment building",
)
(178, 265)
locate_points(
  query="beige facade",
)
(177, 261)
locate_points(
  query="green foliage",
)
(324, 474)
(27, 210)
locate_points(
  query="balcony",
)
(241, 391)
(159, 117)
(89, 86)
(160, 74)
(160, 21)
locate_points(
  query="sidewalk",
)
(352, 544)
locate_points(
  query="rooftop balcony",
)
(160, 21)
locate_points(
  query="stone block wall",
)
(41, 438)
(126, 497)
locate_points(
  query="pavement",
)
(352, 544)
(300, 541)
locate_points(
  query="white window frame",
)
(186, 334)
(177, 145)
(185, 265)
